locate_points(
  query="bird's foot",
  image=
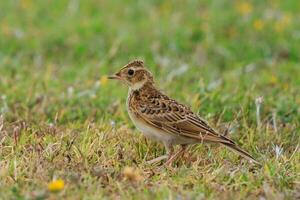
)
(171, 159)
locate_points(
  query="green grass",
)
(60, 117)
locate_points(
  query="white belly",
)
(149, 131)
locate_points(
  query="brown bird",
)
(163, 119)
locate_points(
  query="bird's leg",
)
(169, 151)
(176, 155)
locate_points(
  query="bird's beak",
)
(115, 76)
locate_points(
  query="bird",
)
(165, 120)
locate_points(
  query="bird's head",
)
(134, 74)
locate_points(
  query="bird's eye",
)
(130, 72)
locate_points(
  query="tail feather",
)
(240, 151)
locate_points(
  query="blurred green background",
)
(217, 56)
(50, 46)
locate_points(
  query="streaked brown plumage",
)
(164, 119)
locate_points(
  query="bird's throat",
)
(138, 85)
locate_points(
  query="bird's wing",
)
(175, 118)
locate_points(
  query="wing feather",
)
(176, 119)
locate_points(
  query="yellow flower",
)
(56, 185)
(286, 20)
(274, 79)
(244, 8)
(278, 27)
(283, 23)
(26, 4)
(258, 24)
(6, 29)
(285, 86)
(103, 80)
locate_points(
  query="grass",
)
(62, 119)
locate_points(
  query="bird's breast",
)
(147, 129)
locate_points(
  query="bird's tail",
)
(240, 151)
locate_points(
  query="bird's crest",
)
(135, 63)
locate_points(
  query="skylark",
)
(163, 119)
